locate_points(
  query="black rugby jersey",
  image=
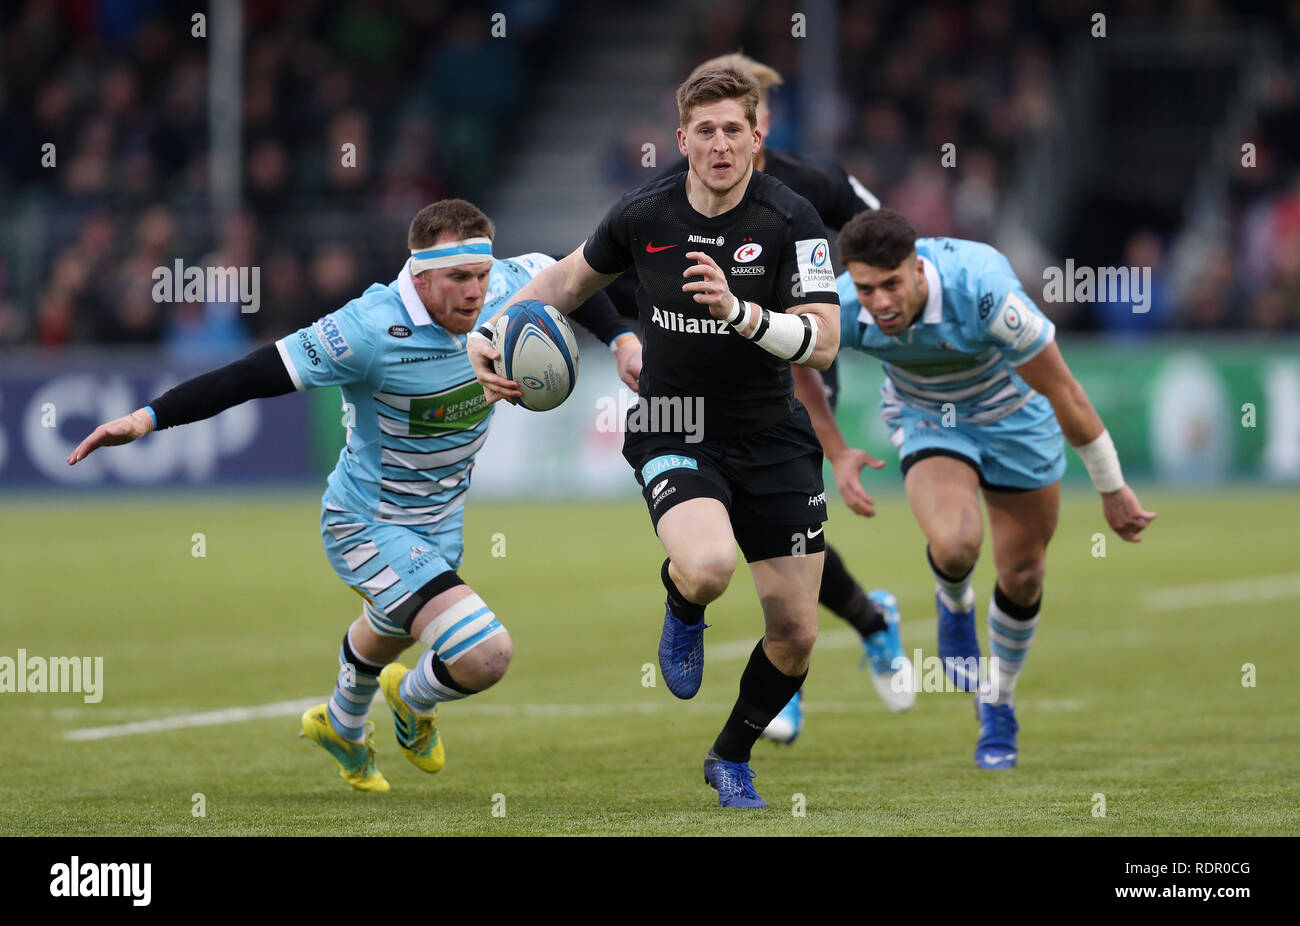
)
(773, 250)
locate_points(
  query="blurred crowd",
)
(120, 90)
(914, 76)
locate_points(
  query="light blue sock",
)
(1009, 639)
(428, 683)
(354, 689)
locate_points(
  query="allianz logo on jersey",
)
(677, 321)
(699, 239)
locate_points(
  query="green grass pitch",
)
(1127, 694)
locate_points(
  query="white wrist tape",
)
(741, 313)
(790, 337)
(737, 310)
(1102, 463)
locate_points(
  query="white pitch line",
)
(205, 719)
(722, 652)
(868, 705)
(1232, 591)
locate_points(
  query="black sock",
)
(846, 599)
(1015, 611)
(764, 690)
(865, 615)
(943, 576)
(688, 612)
(359, 666)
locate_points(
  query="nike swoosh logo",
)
(651, 249)
(992, 758)
(812, 534)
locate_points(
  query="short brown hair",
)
(765, 76)
(465, 219)
(878, 237)
(714, 84)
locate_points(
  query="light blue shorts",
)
(389, 565)
(1019, 453)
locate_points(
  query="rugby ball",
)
(538, 351)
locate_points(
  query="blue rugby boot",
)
(732, 781)
(996, 748)
(959, 647)
(891, 671)
(681, 655)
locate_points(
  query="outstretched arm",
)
(846, 462)
(1083, 428)
(259, 375)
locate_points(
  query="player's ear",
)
(681, 140)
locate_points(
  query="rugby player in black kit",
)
(837, 196)
(739, 281)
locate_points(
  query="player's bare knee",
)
(1023, 583)
(469, 640)
(789, 630)
(486, 664)
(790, 649)
(956, 552)
(800, 641)
(706, 575)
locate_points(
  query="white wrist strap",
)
(739, 315)
(790, 337)
(1102, 463)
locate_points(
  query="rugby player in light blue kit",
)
(393, 514)
(976, 398)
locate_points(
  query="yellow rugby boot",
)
(417, 734)
(356, 760)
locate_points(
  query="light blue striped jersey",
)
(976, 326)
(415, 415)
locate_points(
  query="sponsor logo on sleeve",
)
(308, 345)
(327, 330)
(399, 331)
(1016, 325)
(814, 265)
